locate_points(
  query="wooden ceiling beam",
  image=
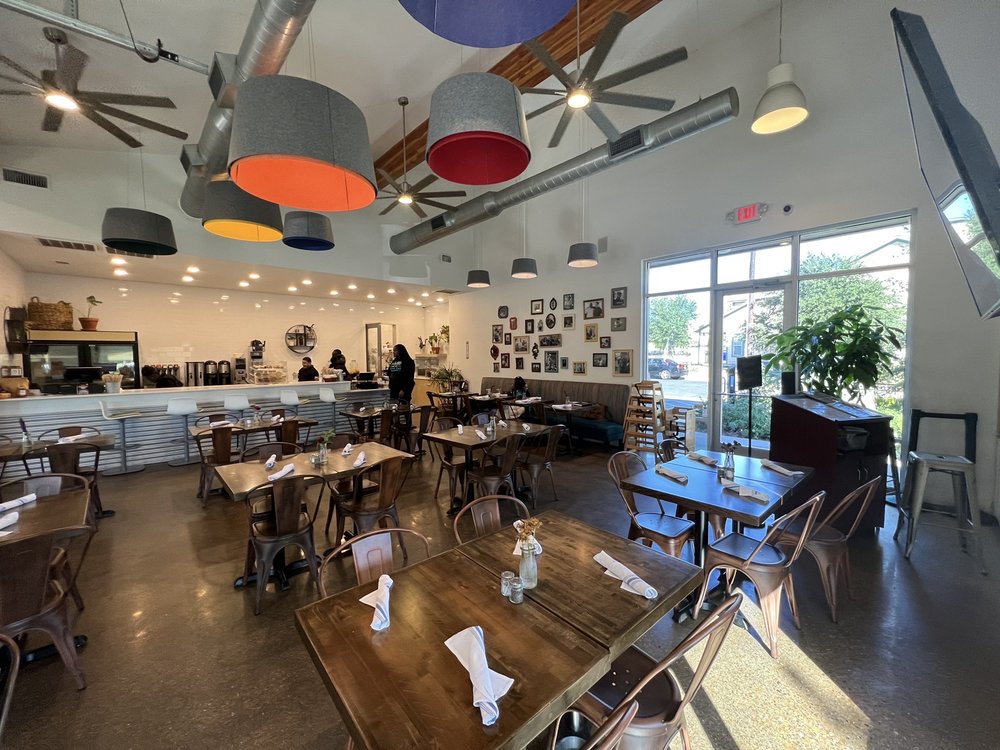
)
(523, 69)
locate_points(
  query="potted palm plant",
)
(446, 378)
(88, 323)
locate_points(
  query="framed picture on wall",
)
(579, 368)
(551, 361)
(600, 359)
(513, 322)
(518, 363)
(502, 312)
(564, 363)
(550, 339)
(623, 362)
(521, 343)
(498, 334)
(536, 366)
(569, 301)
(496, 367)
(529, 326)
(605, 342)
(593, 308)
(619, 296)
(505, 360)
(537, 305)
(569, 322)
(506, 340)
(590, 333)
(617, 324)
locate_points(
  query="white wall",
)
(11, 295)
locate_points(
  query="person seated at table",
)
(401, 372)
(307, 372)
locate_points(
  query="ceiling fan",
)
(59, 90)
(583, 88)
(410, 195)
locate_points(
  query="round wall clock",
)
(301, 339)
(502, 312)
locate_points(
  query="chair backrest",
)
(621, 466)
(555, 435)
(665, 450)
(970, 418)
(372, 553)
(10, 663)
(385, 426)
(443, 424)
(289, 494)
(289, 431)
(277, 412)
(341, 439)
(26, 593)
(327, 395)
(611, 732)
(863, 495)
(511, 446)
(480, 419)
(427, 413)
(65, 458)
(811, 507)
(402, 419)
(68, 431)
(712, 631)
(43, 485)
(485, 512)
(222, 444)
(390, 480)
(264, 451)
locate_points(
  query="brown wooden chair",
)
(450, 462)
(372, 553)
(670, 532)
(385, 431)
(344, 488)
(424, 421)
(533, 463)
(828, 545)
(10, 663)
(765, 564)
(216, 449)
(289, 524)
(485, 513)
(68, 458)
(264, 451)
(637, 677)
(4, 440)
(402, 428)
(366, 511)
(35, 599)
(490, 478)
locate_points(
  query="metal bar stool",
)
(184, 408)
(236, 403)
(329, 396)
(121, 417)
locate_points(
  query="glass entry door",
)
(744, 320)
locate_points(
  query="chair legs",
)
(55, 624)
(265, 552)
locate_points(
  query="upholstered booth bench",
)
(613, 396)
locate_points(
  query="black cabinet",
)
(844, 443)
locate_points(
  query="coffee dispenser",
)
(211, 372)
(194, 374)
(225, 373)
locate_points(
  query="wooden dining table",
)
(266, 425)
(402, 687)
(15, 451)
(365, 418)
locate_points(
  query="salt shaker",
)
(505, 580)
(516, 591)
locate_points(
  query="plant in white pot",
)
(87, 323)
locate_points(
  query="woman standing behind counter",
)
(401, 371)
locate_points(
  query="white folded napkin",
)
(630, 581)
(461, 430)
(9, 520)
(480, 434)
(362, 408)
(269, 463)
(17, 502)
(519, 524)
(360, 461)
(276, 419)
(487, 686)
(502, 424)
(284, 471)
(347, 450)
(746, 492)
(669, 473)
(71, 438)
(780, 469)
(526, 426)
(223, 423)
(707, 460)
(379, 599)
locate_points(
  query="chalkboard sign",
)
(748, 372)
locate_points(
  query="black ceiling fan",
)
(583, 89)
(410, 195)
(59, 88)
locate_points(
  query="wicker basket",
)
(50, 316)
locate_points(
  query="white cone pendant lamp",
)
(783, 105)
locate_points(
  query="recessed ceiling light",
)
(381, 312)
(224, 296)
(336, 304)
(215, 301)
(307, 282)
(253, 276)
(302, 303)
(370, 295)
(350, 309)
(372, 307)
(334, 292)
(124, 294)
(396, 308)
(409, 299)
(193, 269)
(244, 283)
(420, 304)
(291, 307)
(120, 272)
(123, 289)
(322, 309)
(174, 301)
(257, 305)
(187, 279)
(440, 299)
(177, 294)
(118, 261)
(62, 262)
(390, 290)
(293, 289)
(425, 294)
(265, 300)
(352, 287)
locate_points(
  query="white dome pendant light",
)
(783, 105)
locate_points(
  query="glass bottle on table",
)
(529, 564)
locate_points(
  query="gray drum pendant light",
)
(236, 215)
(306, 230)
(479, 278)
(582, 255)
(524, 267)
(134, 230)
(783, 105)
(297, 143)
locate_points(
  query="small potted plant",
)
(435, 341)
(88, 323)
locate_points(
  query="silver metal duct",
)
(645, 139)
(271, 32)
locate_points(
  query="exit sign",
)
(746, 214)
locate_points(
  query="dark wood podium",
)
(846, 444)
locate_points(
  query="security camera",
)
(787, 209)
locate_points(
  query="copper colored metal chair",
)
(288, 525)
(372, 553)
(10, 663)
(35, 599)
(636, 676)
(453, 464)
(765, 564)
(491, 478)
(828, 545)
(423, 425)
(365, 512)
(670, 532)
(220, 454)
(534, 463)
(612, 731)
(344, 489)
(68, 458)
(264, 451)
(485, 513)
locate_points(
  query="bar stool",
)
(962, 470)
(183, 407)
(329, 396)
(121, 418)
(236, 403)
(289, 398)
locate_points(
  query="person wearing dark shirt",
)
(307, 371)
(401, 371)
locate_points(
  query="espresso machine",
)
(211, 372)
(225, 373)
(240, 370)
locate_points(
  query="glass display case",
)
(426, 365)
(60, 361)
(379, 340)
(265, 373)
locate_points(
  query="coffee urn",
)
(211, 372)
(194, 374)
(225, 373)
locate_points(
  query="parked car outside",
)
(664, 368)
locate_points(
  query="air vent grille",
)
(626, 143)
(25, 178)
(67, 244)
(113, 251)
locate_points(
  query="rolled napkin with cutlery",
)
(71, 438)
(379, 599)
(18, 502)
(488, 686)
(745, 492)
(221, 423)
(275, 419)
(269, 463)
(519, 524)
(630, 581)
(347, 450)
(702, 458)
(284, 471)
(362, 408)
(502, 424)
(360, 461)
(480, 434)
(669, 473)
(526, 426)
(9, 520)
(768, 464)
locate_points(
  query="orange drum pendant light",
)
(231, 213)
(297, 143)
(477, 133)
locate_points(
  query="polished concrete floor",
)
(177, 659)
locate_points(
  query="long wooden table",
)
(403, 688)
(15, 451)
(265, 425)
(64, 511)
